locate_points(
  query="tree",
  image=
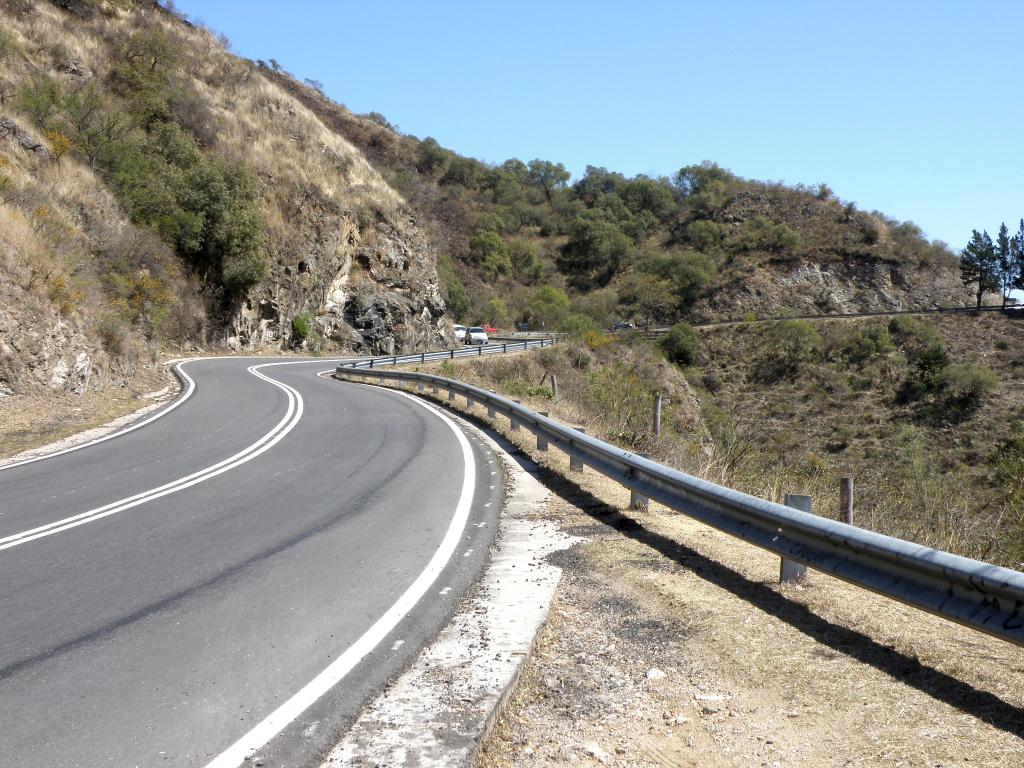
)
(497, 312)
(1006, 266)
(979, 265)
(547, 175)
(1017, 256)
(595, 251)
(651, 295)
(680, 344)
(430, 156)
(548, 306)
(490, 253)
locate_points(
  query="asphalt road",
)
(244, 572)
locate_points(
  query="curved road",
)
(240, 574)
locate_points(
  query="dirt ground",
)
(30, 421)
(671, 644)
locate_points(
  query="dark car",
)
(522, 327)
(621, 325)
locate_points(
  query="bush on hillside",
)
(680, 344)
(788, 345)
(964, 387)
(454, 291)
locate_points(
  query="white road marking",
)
(190, 387)
(277, 720)
(265, 443)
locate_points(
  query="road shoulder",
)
(436, 713)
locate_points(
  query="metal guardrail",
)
(447, 354)
(985, 597)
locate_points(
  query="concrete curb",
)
(438, 711)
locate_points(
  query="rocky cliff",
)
(91, 283)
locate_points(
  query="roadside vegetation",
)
(927, 417)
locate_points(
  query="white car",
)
(476, 335)
(459, 332)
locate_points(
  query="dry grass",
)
(821, 674)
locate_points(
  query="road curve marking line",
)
(276, 721)
(190, 388)
(287, 423)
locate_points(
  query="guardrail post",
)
(504, 348)
(575, 462)
(380, 381)
(451, 393)
(371, 362)
(423, 357)
(554, 386)
(657, 415)
(470, 402)
(419, 386)
(542, 442)
(436, 389)
(452, 356)
(846, 499)
(491, 414)
(638, 500)
(394, 360)
(513, 422)
(526, 344)
(790, 570)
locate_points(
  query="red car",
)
(490, 329)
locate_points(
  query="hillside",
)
(927, 416)
(156, 190)
(703, 245)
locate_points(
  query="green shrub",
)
(301, 326)
(964, 386)
(866, 343)
(454, 291)
(576, 325)
(680, 344)
(490, 253)
(788, 345)
(705, 235)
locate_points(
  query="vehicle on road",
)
(523, 327)
(621, 325)
(459, 331)
(490, 329)
(476, 335)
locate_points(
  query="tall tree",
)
(1017, 256)
(979, 266)
(1005, 266)
(547, 175)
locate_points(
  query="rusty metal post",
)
(657, 416)
(554, 387)
(790, 570)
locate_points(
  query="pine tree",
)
(979, 265)
(1017, 257)
(1005, 268)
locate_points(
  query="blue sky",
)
(912, 108)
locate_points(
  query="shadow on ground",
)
(984, 705)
